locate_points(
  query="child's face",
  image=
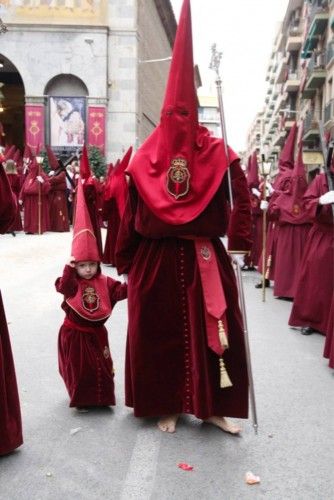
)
(86, 269)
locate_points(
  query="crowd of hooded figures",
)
(167, 209)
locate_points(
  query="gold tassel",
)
(225, 380)
(268, 267)
(222, 335)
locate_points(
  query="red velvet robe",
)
(314, 292)
(111, 215)
(15, 183)
(169, 366)
(10, 414)
(83, 364)
(58, 204)
(32, 190)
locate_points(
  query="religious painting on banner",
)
(96, 126)
(34, 126)
(67, 121)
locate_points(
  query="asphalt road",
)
(107, 453)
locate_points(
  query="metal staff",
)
(214, 64)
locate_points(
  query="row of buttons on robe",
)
(187, 405)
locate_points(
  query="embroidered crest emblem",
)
(106, 352)
(178, 178)
(205, 252)
(90, 299)
(296, 209)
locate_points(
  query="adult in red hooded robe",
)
(182, 295)
(10, 413)
(329, 343)
(34, 196)
(293, 226)
(312, 303)
(59, 220)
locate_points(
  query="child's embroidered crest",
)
(90, 299)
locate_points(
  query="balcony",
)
(330, 54)
(318, 23)
(292, 83)
(294, 38)
(311, 128)
(316, 72)
(329, 114)
(279, 138)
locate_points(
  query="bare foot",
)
(224, 424)
(168, 423)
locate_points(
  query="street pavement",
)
(107, 453)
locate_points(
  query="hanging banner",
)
(34, 122)
(96, 126)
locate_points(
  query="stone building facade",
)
(85, 62)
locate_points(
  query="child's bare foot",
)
(168, 423)
(224, 424)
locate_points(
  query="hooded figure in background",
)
(253, 182)
(10, 413)
(59, 220)
(34, 197)
(293, 226)
(312, 306)
(185, 348)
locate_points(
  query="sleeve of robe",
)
(239, 227)
(311, 197)
(68, 283)
(128, 239)
(117, 291)
(58, 182)
(7, 202)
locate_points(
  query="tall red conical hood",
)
(180, 167)
(120, 186)
(53, 162)
(17, 156)
(85, 172)
(253, 172)
(84, 246)
(286, 158)
(27, 152)
(10, 153)
(290, 201)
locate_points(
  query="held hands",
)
(40, 179)
(71, 261)
(125, 278)
(20, 202)
(327, 198)
(51, 173)
(256, 192)
(264, 205)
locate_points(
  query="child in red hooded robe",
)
(85, 361)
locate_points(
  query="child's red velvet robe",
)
(85, 362)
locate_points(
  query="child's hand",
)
(71, 262)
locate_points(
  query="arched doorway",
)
(66, 113)
(11, 104)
